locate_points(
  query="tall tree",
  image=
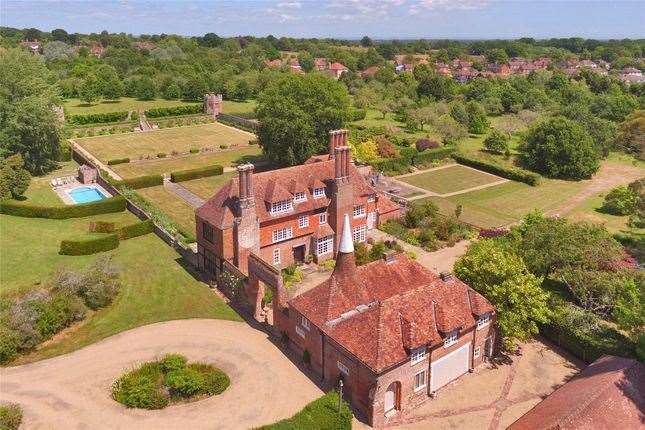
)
(296, 113)
(28, 125)
(502, 277)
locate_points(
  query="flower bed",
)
(157, 384)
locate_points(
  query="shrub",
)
(321, 414)
(215, 381)
(89, 246)
(161, 155)
(328, 264)
(505, 172)
(223, 146)
(184, 382)
(423, 144)
(136, 229)
(497, 141)
(174, 111)
(140, 182)
(306, 357)
(141, 388)
(398, 230)
(97, 118)
(10, 416)
(118, 161)
(201, 172)
(357, 114)
(8, 344)
(113, 204)
(101, 227)
(621, 201)
(385, 148)
(194, 150)
(172, 362)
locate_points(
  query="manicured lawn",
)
(450, 179)
(166, 165)
(40, 191)
(177, 209)
(321, 414)
(509, 202)
(156, 286)
(30, 247)
(207, 187)
(243, 109)
(180, 139)
(590, 210)
(78, 107)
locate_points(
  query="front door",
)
(390, 397)
(299, 254)
(488, 347)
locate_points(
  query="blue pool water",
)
(86, 195)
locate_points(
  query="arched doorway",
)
(392, 401)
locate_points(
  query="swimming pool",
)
(86, 195)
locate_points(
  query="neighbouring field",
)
(172, 205)
(156, 285)
(167, 140)
(78, 107)
(167, 165)
(450, 179)
(244, 109)
(207, 187)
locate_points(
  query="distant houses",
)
(334, 69)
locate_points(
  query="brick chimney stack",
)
(246, 227)
(342, 199)
(245, 175)
(336, 138)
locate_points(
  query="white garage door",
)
(449, 367)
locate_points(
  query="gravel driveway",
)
(73, 391)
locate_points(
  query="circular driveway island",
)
(73, 391)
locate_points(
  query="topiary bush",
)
(89, 246)
(136, 230)
(118, 161)
(156, 384)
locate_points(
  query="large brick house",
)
(289, 215)
(394, 331)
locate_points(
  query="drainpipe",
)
(322, 348)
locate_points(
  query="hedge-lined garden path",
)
(73, 391)
(183, 193)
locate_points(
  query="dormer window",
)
(319, 192)
(300, 196)
(483, 321)
(359, 211)
(281, 207)
(417, 355)
(450, 339)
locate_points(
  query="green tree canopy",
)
(28, 125)
(561, 148)
(14, 179)
(296, 114)
(502, 277)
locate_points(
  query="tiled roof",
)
(337, 66)
(608, 394)
(380, 310)
(275, 185)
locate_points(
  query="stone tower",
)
(213, 104)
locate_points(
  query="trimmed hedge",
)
(174, 111)
(140, 182)
(135, 230)
(505, 172)
(118, 161)
(321, 414)
(412, 157)
(201, 172)
(89, 246)
(97, 118)
(113, 204)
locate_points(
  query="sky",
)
(379, 19)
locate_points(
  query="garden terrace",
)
(179, 140)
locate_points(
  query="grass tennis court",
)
(180, 139)
(450, 179)
(167, 165)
